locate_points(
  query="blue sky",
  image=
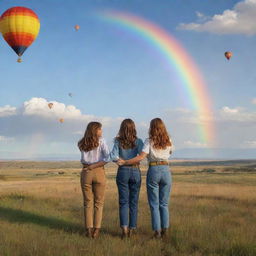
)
(113, 73)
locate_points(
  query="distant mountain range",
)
(183, 154)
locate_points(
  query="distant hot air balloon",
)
(61, 120)
(228, 55)
(77, 27)
(70, 94)
(19, 27)
(50, 105)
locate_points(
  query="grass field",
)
(213, 212)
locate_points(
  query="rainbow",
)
(177, 57)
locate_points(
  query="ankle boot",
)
(157, 234)
(96, 233)
(89, 232)
(131, 232)
(164, 232)
(124, 232)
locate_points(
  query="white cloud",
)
(192, 144)
(39, 107)
(239, 20)
(199, 14)
(250, 144)
(35, 118)
(254, 101)
(7, 110)
(236, 114)
(35, 126)
(5, 139)
(230, 110)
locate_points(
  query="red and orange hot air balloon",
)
(19, 27)
(77, 27)
(228, 55)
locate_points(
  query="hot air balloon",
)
(77, 27)
(19, 27)
(50, 105)
(61, 120)
(70, 94)
(228, 55)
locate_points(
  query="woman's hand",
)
(120, 161)
(86, 169)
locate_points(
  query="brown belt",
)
(86, 165)
(158, 163)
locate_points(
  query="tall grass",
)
(44, 217)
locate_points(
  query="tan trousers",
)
(93, 184)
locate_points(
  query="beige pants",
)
(93, 184)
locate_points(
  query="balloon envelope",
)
(19, 27)
(77, 27)
(228, 55)
(50, 105)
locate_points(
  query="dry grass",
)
(211, 214)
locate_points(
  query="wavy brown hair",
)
(127, 134)
(158, 134)
(90, 140)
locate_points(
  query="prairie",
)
(212, 211)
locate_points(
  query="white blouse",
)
(101, 153)
(156, 154)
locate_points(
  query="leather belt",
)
(158, 163)
(86, 165)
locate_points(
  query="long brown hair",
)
(127, 134)
(158, 134)
(90, 140)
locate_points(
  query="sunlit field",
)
(213, 212)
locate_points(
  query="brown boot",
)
(124, 232)
(132, 232)
(89, 232)
(157, 235)
(96, 233)
(164, 232)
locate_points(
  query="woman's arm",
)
(134, 160)
(114, 154)
(95, 165)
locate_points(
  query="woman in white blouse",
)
(158, 148)
(94, 155)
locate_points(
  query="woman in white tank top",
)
(158, 148)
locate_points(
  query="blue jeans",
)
(128, 181)
(159, 181)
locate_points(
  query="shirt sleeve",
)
(114, 154)
(82, 158)
(146, 146)
(105, 151)
(140, 145)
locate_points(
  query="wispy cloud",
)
(193, 144)
(6, 139)
(249, 144)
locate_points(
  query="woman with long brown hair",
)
(128, 179)
(157, 148)
(94, 155)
